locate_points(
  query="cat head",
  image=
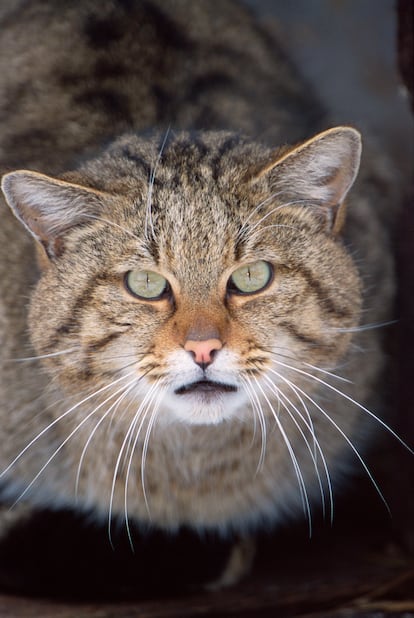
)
(189, 276)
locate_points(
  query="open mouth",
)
(205, 386)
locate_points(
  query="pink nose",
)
(203, 351)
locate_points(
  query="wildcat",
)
(183, 297)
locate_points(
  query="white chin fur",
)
(203, 409)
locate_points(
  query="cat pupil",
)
(251, 278)
(145, 284)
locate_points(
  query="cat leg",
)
(238, 565)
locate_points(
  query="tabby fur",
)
(156, 137)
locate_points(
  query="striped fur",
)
(200, 182)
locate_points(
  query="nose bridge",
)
(202, 327)
(205, 321)
(204, 335)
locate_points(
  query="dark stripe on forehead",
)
(137, 159)
(217, 161)
(203, 149)
(187, 157)
(184, 145)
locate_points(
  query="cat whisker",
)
(295, 359)
(42, 356)
(112, 224)
(351, 400)
(270, 213)
(328, 373)
(296, 466)
(133, 363)
(126, 408)
(255, 402)
(309, 423)
(146, 403)
(135, 355)
(59, 418)
(127, 439)
(363, 327)
(316, 445)
(62, 444)
(346, 438)
(146, 443)
(256, 233)
(148, 214)
(243, 227)
(132, 447)
(126, 389)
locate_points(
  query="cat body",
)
(204, 396)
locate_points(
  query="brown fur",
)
(217, 201)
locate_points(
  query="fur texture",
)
(110, 410)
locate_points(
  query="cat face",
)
(190, 278)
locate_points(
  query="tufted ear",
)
(48, 207)
(320, 171)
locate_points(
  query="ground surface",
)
(344, 572)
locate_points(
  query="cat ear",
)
(48, 207)
(320, 171)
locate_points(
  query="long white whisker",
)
(307, 413)
(351, 400)
(124, 393)
(132, 448)
(268, 227)
(113, 224)
(362, 327)
(57, 420)
(146, 443)
(115, 409)
(328, 373)
(348, 441)
(255, 210)
(60, 447)
(41, 356)
(271, 212)
(293, 358)
(309, 425)
(148, 214)
(127, 438)
(133, 355)
(298, 472)
(146, 402)
(254, 400)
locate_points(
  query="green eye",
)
(146, 284)
(250, 278)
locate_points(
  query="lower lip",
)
(205, 388)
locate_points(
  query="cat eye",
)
(250, 278)
(146, 284)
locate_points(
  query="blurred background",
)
(347, 49)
